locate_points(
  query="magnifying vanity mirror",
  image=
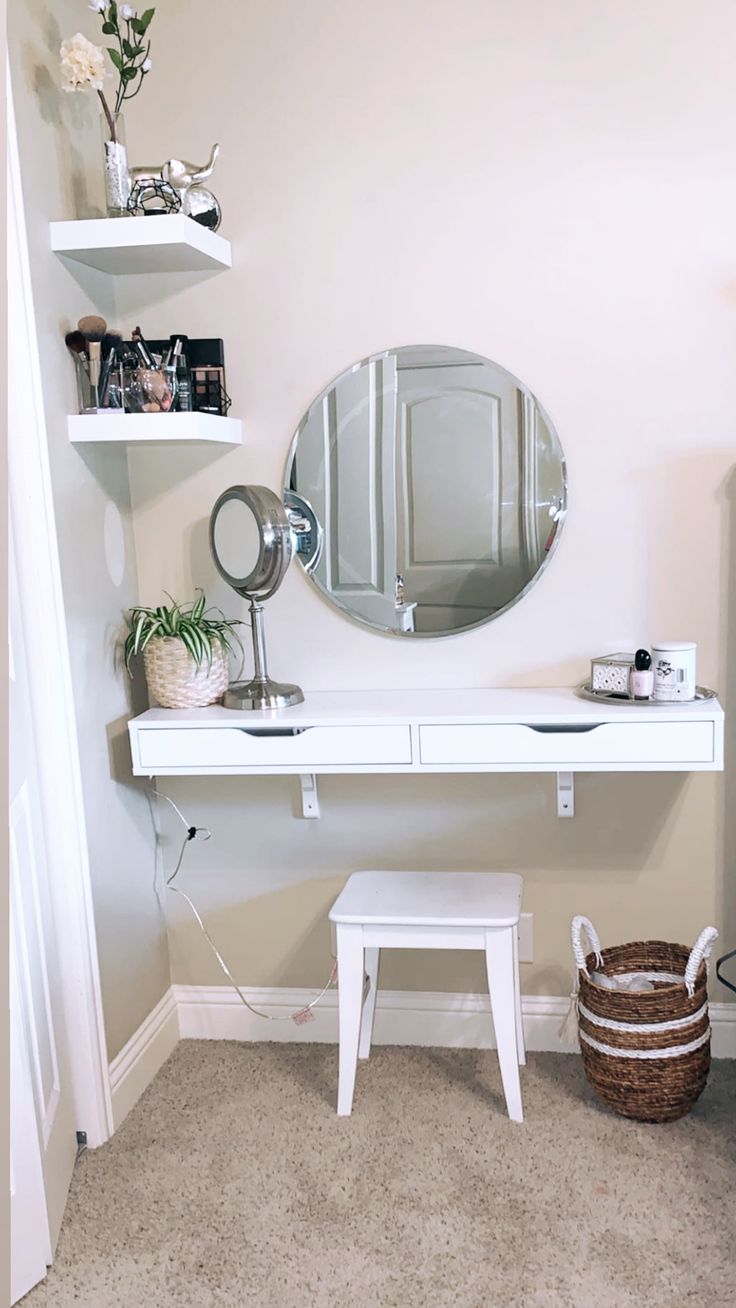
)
(433, 486)
(252, 543)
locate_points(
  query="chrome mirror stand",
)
(261, 692)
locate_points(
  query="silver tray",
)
(604, 697)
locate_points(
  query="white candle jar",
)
(673, 664)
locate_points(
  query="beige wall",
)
(548, 185)
(60, 147)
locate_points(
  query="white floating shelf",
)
(154, 429)
(144, 244)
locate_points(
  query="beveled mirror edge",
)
(379, 627)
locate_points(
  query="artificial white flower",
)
(97, 6)
(82, 64)
(127, 12)
(147, 65)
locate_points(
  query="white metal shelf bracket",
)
(310, 795)
(566, 794)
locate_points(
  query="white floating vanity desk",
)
(419, 731)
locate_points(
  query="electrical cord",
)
(203, 833)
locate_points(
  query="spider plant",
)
(188, 623)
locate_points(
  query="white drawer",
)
(617, 743)
(199, 748)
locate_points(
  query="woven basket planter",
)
(175, 681)
(645, 1053)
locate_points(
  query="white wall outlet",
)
(526, 938)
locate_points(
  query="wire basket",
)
(645, 1053)
(175, 681)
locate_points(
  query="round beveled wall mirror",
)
(437, 486)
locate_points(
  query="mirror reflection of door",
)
(439, 485)
(459, 531)
(347, 457)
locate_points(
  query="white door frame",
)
(44, 624)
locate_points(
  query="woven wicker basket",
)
(175, 681)
(645, 1053)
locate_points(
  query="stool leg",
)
(501, 985)
(521, 1051)
(372, 958)
(349, 999)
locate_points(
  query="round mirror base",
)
(262, 693)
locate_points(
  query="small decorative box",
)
(609, 674)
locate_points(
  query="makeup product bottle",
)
(674, 670)
(183, 377)
(641, 681)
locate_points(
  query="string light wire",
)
(204, 833)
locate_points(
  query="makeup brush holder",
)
(86, 389)
(146, 390)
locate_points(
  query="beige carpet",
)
(234, 1183)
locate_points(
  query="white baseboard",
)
(132, 1071)
(723, 1028)
(403, 1017)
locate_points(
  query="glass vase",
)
(115, 159)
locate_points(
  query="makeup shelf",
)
(154, 429)
(147, 244)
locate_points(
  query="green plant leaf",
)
(146, 18)
(128, 49)
(137, 26)
(207, 642)
(127, 73)
(152, 631)
(116, 57)
(108, 29)
(188, 622)
(187, 639)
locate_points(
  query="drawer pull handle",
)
(567, 729)
(269, 732)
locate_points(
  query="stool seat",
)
(453, 899)
(427, 910)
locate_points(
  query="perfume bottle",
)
(642, 676)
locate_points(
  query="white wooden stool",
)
(428, 910)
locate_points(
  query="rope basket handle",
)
(700, 950)
(580, 924)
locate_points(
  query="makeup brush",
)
(76, 345)
(142, 348)
(112, 345)
(92, 325)
(110, 339)
(93, 329)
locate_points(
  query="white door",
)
(31, 1240)
(349, 465)
(40, 1047)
